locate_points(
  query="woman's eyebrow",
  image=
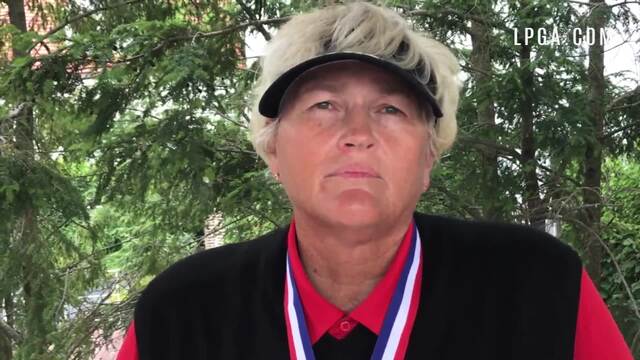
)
(393, 89)
(320, 85)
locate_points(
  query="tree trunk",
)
(480, 61)
(9, 309)
(8, 335)
(213, 235)
(6, 347)
(34, 331)
(593, 152)
(6, 350)
(18, 19)
(533, 202)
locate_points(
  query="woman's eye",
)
(323, 105)
(391, 110)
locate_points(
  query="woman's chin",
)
(357, 208)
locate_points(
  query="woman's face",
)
(352, 145)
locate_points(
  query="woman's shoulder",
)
(210, 271)
(494, 239)
(507, 259)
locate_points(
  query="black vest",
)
(489, 291)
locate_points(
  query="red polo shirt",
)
(597, 335)
(322, 316)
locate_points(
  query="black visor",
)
(269, 105)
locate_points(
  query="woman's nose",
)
(357, 129)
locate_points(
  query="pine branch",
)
(611, 6)
(482, 144)
(17, 112)
(462, 204)
(252, 17)
(471, 69)
(200, 35)
(503, 150)
(613, 105)
(11, 332)
(77, 18)
(624, 3)
(630, 125)
(460, 15)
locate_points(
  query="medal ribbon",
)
(399, 318)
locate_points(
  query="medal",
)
(398, 321)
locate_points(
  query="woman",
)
(353, 110)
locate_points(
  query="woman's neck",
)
(345, 264)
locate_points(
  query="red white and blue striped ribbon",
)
(398, 321)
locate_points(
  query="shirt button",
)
(345, 326)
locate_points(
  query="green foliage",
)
(621, 285)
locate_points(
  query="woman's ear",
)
(428, 166)
(271, 155)
(272, 162)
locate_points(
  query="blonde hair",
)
(360, 27)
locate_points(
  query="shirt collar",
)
(320, 314)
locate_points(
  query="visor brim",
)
(269, 104)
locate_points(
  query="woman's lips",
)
(355, 174)
(355, 171)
